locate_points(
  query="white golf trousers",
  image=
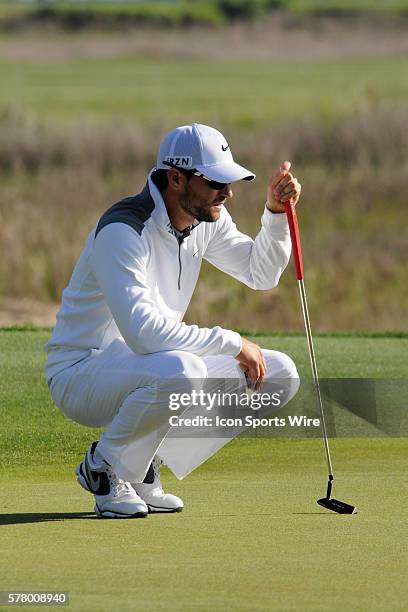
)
(128, 394)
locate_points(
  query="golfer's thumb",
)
(285, 166)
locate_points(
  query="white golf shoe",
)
(114, 498)
(151, 491)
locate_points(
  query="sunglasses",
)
(212, 184)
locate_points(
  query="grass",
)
(163, 93)
(251, 536)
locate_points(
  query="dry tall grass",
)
(355, 177)
(281, 36)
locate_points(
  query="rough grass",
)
(351, 214)
(272, 38)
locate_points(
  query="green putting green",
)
(251, 536)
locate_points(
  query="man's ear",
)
(176, 179)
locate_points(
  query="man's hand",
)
(252, 361)
(283, 187)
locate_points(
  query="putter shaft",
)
(316, 380)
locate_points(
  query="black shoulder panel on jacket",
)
(134, 211)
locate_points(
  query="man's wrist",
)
(274, 212)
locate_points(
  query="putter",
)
(327, 502)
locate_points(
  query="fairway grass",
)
(146, 90)
(251, 536)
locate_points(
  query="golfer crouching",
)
(120, 346)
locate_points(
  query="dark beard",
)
(195, 207)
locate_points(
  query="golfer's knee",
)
(279, 365)
(191, 366)
(281, 370)
(187, 373)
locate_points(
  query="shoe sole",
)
(110, 514)
(158, 509)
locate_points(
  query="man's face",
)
(201, 201)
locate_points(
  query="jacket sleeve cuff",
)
(275, 222)
(232, 343)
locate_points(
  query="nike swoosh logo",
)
(196, 253)
(224, 148)
(94, 483)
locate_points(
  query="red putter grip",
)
(294, 235)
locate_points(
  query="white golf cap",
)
(203, 148)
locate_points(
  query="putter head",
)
(337, 506)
